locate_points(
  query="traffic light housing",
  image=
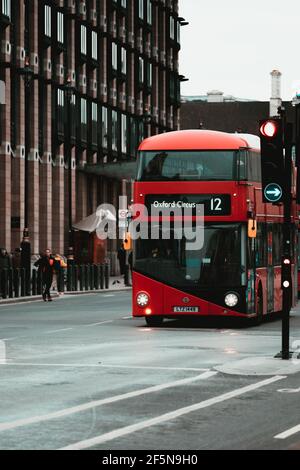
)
(271, 134)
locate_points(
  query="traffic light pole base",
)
(291, 355)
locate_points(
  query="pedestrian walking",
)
(58, 274)
(16, 258)
(122, 258)
(45, 266)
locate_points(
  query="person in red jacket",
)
(46, 267)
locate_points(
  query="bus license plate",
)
(185, 309)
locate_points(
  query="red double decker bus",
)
(236, 272)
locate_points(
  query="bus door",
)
(270, 269)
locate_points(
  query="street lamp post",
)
(28, 77)
(69, 90)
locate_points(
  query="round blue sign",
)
(273, 192)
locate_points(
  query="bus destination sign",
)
(214, 204)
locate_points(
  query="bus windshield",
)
(216, 165)
(220, 262)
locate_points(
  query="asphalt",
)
(80, 373)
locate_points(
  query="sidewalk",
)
(115, 284)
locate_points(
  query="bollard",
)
(34, 282)
(92, 280)
(102, 276)
(4, 281)
(10, 283)
(81, 277)
(16, 281)
(39, 288)
(61, 280)
(69, 277)
(106, 275)
(87, 277)
(75, 278)
(96, 276)
(22, 280)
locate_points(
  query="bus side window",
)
(254, 167)
(261, 246)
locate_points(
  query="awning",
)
(119, 170)
(91, 223)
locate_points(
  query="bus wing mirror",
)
(252, 228)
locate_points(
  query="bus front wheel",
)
(154, 321)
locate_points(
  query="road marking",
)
(108, 295)
(57, 331)
(109, 436)
(100, 323)
(289, 390)
(106, 366)
(288, 432)
(105, 401)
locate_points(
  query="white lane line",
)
(57, 331)
(117, 433)
(100, 323)
(108, 295)
(105, 401)
(105, 366)
(288, 432)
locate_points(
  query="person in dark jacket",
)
(46, 267)
(122, 258)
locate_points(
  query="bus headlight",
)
(142, 299)
(231, 299)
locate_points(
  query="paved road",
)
(80, 373)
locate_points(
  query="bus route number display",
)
(214, 204)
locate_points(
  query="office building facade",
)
(85, 81)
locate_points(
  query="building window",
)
(48, 17)
(149, 75)
(114, 130)
(141, 70)
(178, 32)
(123, 61)
(83, 46)
(141, 9)
(60, 111)
(60, 27)
(172, 28)
(94, 45)
(104, 127)
(149, 12)
(124, 133)
(6, 8)
(114, 56)
(94, 124)
(83, 119)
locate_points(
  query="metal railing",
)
(85, 277)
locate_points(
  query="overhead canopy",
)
(119, 170)
(91, 223)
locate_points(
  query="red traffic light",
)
(269, 128)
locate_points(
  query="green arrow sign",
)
(273, 192)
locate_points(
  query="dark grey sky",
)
(233, 45)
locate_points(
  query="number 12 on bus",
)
(237, 271)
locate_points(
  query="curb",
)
(37, 298)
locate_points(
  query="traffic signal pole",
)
(286, 266)
(276, 163)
